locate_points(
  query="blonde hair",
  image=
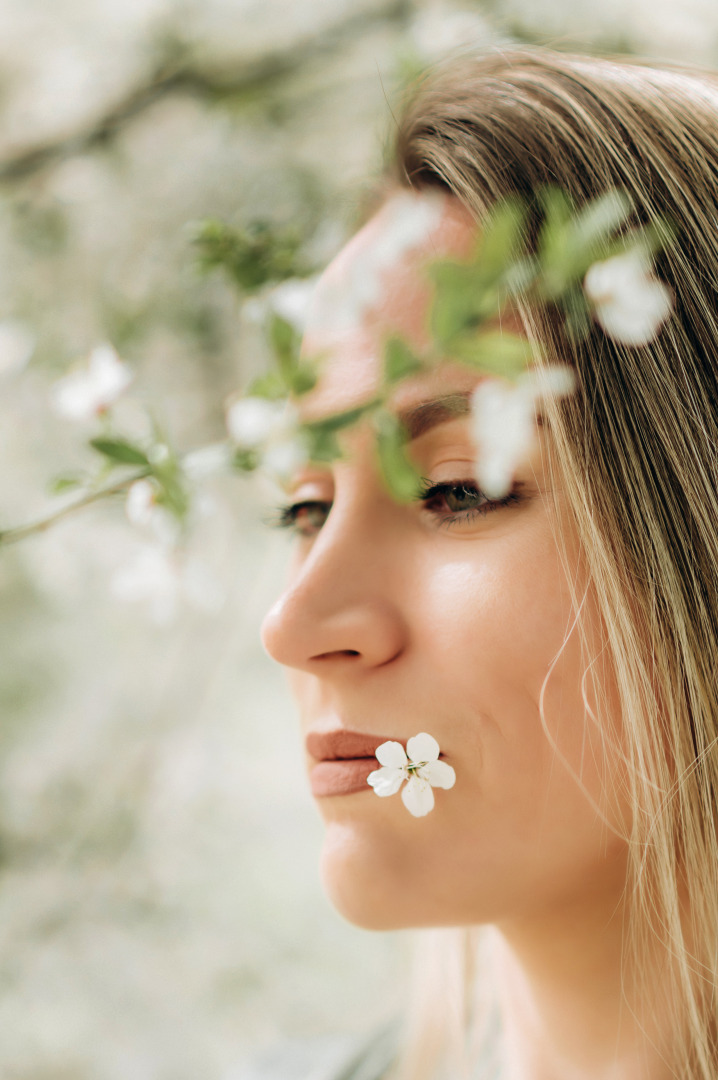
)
(637, 449)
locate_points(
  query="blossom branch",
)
(21, 532)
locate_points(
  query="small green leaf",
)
(577, 315)
(461, 301)
(304, 378)
(66, 482)
(252, 256)
(495, 351)
(399, 361)
(594, 225)
(400, 476)
(117, 450)
(245, 460)
(323, 443)
(270, 386)
(501, 241)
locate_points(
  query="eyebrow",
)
(427, 414)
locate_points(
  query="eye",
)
(455, 501)
(304, 518)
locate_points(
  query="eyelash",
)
(288, 517)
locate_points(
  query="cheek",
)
(532, 821)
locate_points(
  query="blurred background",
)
(160, 910)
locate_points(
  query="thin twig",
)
(20, 532)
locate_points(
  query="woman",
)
(559, 643)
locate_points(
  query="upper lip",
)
(342, 745)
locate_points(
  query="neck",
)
(571, 1004)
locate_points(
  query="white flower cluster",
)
(160, 575)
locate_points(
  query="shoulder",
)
(339, 1058)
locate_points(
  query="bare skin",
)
(402, 619)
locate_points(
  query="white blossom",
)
(285, 456)
(419, 765)
(88, 392)
(292, 299)
(272, 428)
(628, 301)
(504, 422)
(206, 461)
(144, 511)
(163, 579)
(251, 421)
(407, 219)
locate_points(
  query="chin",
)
(371, 881)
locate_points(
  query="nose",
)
(341, 612)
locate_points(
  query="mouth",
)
(342, 761)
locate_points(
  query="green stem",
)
(20, 532)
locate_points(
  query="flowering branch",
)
(590, 266)
(22, 532)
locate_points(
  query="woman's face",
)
(439, 617)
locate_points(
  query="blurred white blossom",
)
(253, 420)
(629, 302)
(144, 511)
(292, 299)
(407, 220)
(504, 423)
(17, 344)
(272, 428)
(89, 391)
(164, 580)
(206, 461)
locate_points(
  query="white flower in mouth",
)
(419, 765)
(504, 422)
(628, 301)
(90, 391)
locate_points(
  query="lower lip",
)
(344, 777)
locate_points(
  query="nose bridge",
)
(343, 605)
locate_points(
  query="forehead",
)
(378, 286)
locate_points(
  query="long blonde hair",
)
(637, 449)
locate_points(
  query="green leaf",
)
(461, 301)
(66, 482)
(496, 352)
(270, 386)
(323, 443)
(399, 361)
(594, 225)
(284, 340)
(117, 450)
(501, 241)
(252, 256)
(304, 378)
(245, 460)
(400, 476)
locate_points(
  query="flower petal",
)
(423, 747)
(386, 781)
(439, 774)
(418, 797)
(391, 754)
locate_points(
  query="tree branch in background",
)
(178, 75)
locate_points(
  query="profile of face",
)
(452, 615)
